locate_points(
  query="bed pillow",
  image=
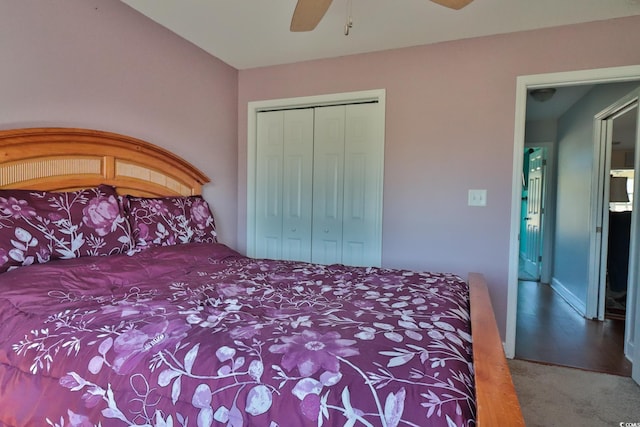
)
(38, 226)
(167, 221)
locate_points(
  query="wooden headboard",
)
(63, 159)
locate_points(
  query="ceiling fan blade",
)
(453, 4)
(308, 14)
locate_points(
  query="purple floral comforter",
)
(198, 335)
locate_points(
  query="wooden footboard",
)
(497, 403)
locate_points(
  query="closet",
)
(318, 184)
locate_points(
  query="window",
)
(617, 203)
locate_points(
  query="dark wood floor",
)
(550, 331)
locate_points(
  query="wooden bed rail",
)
(496, 399)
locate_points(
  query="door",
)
(532, 245)
(605, 122)
(297, 185)
(319, 184)
(347, 185)
(283, 193)
(328, 184)
(361, 235)
(269, 152)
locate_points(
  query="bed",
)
(136, 315)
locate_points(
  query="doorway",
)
(551, 325)
(377, 100)
(524, 84)
(311, 166)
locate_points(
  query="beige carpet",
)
(553, 396)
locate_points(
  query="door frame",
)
(604, 134)
(604, 128)
(254, 107)
(523, 85)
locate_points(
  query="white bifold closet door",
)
(284, 172)
(319, 185)
(328, 184)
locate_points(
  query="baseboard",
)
(629, 350)
(508, 354)
(575, 302)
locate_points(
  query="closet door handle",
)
(326, 230)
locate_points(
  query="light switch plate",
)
(477, 197)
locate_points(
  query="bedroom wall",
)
(100, 64)
(449, 128)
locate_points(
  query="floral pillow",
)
(169, 221)
(37, 226)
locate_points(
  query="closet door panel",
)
(269, 153)
(362, 187)
(297, 184)
(355, 241)
(328, 190)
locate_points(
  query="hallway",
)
(550, 331)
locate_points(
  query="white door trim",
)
(254, 107)
(523, 84)
(603, 125)
(633, 298)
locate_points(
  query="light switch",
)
(477, 197)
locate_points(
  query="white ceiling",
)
(254, 33)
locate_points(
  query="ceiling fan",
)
(308, 13)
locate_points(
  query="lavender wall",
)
(449, 128)
(100, 64)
